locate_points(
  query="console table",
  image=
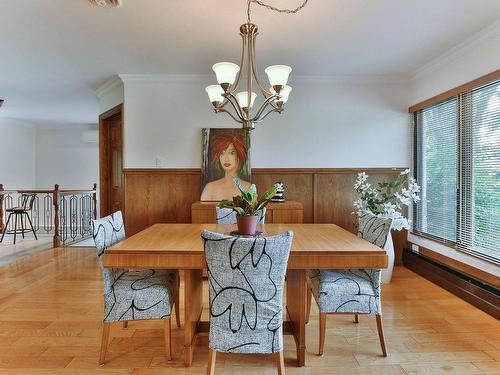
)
(289, 212)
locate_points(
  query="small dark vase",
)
(247, 224)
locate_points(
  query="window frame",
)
(464, 152)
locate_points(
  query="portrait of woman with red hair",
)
(225, 155)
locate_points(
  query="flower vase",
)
(389, 249)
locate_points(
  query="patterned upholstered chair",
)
(132, 294)
(228, 216)
(354, 291)
(246, 278)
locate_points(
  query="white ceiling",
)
(55, 53)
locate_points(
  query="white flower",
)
(403, 199)
(360, 179)
(406, 171)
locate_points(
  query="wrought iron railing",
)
(66, 214)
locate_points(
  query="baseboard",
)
(477, 293)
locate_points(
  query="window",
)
(457, 164)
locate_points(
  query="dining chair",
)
(20, 212)
(353, 291)
(245, 280)
(133, 294)
(228, 216)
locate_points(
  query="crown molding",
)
(206, 78)
(108, 86)
(166, 77)
(457, 51)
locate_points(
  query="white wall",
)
(327, 123)
(63, 156)
(472, 59)
(17, 154)
(110, 94)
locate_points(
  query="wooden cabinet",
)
(290, 212)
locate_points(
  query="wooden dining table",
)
(179, 246)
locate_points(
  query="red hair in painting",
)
(222, 142)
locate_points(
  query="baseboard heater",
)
(484, 296)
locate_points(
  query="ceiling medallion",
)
(229, 76)
(107, 3)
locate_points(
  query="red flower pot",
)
(247, 224)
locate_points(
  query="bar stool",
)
(26, 207)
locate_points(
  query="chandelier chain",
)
(275, 9)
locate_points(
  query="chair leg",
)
(212, 355)
(380, 329)
(356, 318)
(322, 331)
(177, 308)
(125, 324)
(280, 363)
(5, 228)
(104, 342)
(308, 304)
(168, 338)
(31, 225)
(21, 217)
(15, 228)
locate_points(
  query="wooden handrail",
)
(69, 192)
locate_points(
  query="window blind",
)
(457, 164)
(479, 230)
(436, 212)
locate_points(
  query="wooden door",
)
(111, 161)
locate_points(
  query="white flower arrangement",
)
(388, 198)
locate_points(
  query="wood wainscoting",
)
(165, 195)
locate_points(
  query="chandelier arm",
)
(242, 61)
(219, 110)
(262, 88)
(267, 114)
(263, 107)
(232, 99)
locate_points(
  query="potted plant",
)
(247, 205)
(387, 201)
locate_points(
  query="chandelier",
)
(107, 3)
(229, 76)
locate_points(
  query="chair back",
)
(246, 278)
(108, 231)
(27, 201)
(374, 229)
(228, 215)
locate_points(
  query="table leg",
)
(296, 308)
(193, 305)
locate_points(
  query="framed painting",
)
(225, 154)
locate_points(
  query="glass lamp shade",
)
(278, 74)
(285, 92)
(215, 93)
(226, 72)
(243, 99)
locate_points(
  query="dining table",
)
(180, 247)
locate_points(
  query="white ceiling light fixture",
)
(107, 3)
(229, 76)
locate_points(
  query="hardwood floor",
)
(51, 311)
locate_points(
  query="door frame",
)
(103, 158)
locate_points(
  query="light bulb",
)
(285, 92)
(278, 74)
(215, 93)
(243, 99)
(226, 72)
